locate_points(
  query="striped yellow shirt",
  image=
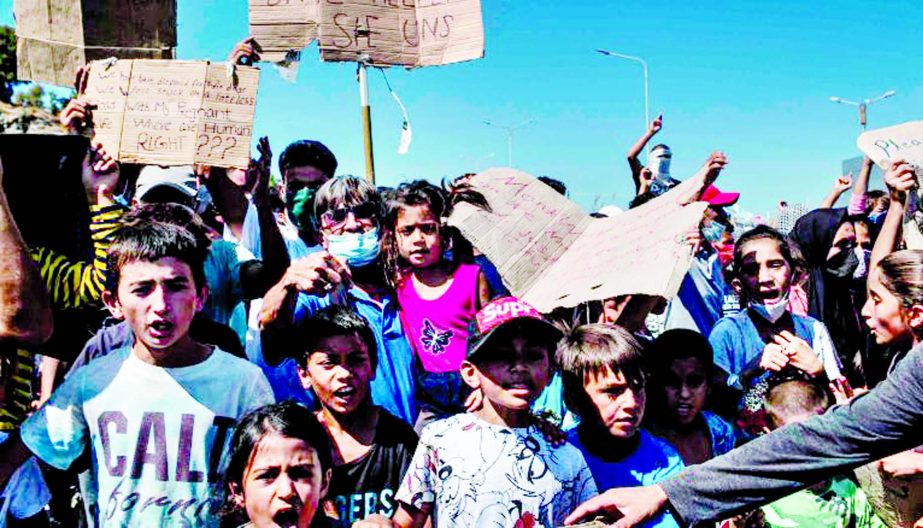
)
(71, 285)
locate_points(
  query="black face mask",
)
(843, 265)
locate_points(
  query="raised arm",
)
(76, 284)
(899, 179)
(840, 185)
(25, 312)
(859, 200)
(638, 147)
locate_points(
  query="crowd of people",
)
(321, 352)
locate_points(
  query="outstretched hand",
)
(655, 125)
(631, 506)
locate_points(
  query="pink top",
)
(438, 329)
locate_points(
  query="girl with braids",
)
(765, 340)
(437, 292)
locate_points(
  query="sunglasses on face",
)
(334, 217)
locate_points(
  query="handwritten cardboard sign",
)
(904, 141)
(551, 254)
(901, 142)
(174, 112)
(54, 38)
(385, 32)
(281, 26)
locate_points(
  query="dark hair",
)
(288, 419)
(762, 232)
(676, 344)
(901, 273)
(307, 152)
(440, 201)
(557, 185)
(150, 241)
(591, 349)
(170, 213)
(335, 320)
(794, 398)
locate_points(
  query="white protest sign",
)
(384, 32)
(174, 112)
(552, 254)
(900, 142)
(904, 141)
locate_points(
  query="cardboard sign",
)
(174, 112)
(384, 32)
(904, 141)
(551, 254)
(54, 38)
(281, 26)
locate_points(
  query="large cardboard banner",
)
(174, 112)
(385, 32)
(54, 37)
(551, 254)
(904, 141)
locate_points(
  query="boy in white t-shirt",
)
(156, 418)
(494, 467)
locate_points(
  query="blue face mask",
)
(357, 249)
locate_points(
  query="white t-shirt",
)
(159, 437)
(479, 474)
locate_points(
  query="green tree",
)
(7, 63)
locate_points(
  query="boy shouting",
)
(494, 467)
(155, 417)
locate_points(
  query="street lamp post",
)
(863, 105)
(647, 106)
(509, 136)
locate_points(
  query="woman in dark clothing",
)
(837, 266)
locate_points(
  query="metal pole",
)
(366, 124)
(647, 106)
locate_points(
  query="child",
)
(602, 369)
(681, 372)
(438, 295)
(494, 467)
(766, 340)
(155, 417)
(836, 502)
(372, 448)
(279, 468)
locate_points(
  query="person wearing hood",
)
(348, 270)
(836, 261)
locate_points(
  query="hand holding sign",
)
(900, 177)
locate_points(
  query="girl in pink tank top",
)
(438, 295)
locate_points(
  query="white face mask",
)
(771, 312)
(659, 163)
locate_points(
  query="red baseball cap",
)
(502, 312)
(715, 197)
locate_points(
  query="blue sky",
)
(749, 78)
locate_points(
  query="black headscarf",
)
(832, 299)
